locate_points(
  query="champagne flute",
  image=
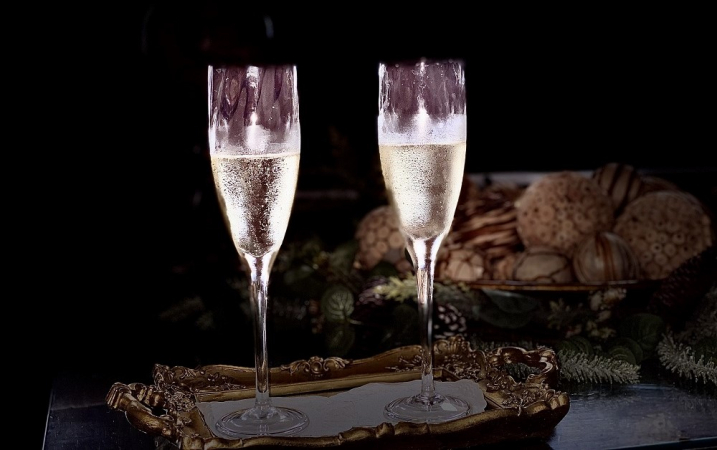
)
(254, 144)
(422, 145)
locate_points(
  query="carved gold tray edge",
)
(516, 410)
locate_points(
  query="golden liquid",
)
(257, 194)
(423, 184)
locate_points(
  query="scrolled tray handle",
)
(542, 358)
(137, 401)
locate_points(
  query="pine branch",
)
(680, 359)
(581, 367)
(398, 289)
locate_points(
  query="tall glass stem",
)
(428, 405)
(263, 418)
(260, 268)
(423, 253)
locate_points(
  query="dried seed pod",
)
(620, 181)
(503, 267)
(605, 256)
(485, 219)
(458, 262)
(543, 265)
(560, 209)
(654, 184)
(493, 231)
(380, 240)
(665, 229)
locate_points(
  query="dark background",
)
(113, 115)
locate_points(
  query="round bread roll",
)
(605, 256)
(665, 229)
(543, 265)
(561, 209)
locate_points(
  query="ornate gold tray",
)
(515, 410)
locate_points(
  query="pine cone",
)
(447, 321)
(682, 290)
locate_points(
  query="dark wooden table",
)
(656, 413)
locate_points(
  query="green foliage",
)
(305, 280)
(563, 315)
(631, 345)
(681, 359)
(704, 321)
(463, 298)
(692, 353)
(706, 349)
(599, 348)
(404, 327)
(512, 302)
(337, 303)
(493, 315)
(509, 310)
(622, 353)
(342, 258)
(576, 344)
(583, 368)
(644, 328)
(384, 269)
(339, 338)
(398, 289)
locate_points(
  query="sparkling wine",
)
(423, 184)
(257, 194)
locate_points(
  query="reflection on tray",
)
(361, 406)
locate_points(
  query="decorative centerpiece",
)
(608, 302)
(561, 209)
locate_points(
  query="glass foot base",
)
(422, 409)
(264, 421)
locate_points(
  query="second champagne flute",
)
(422, 145)
(254, 144)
